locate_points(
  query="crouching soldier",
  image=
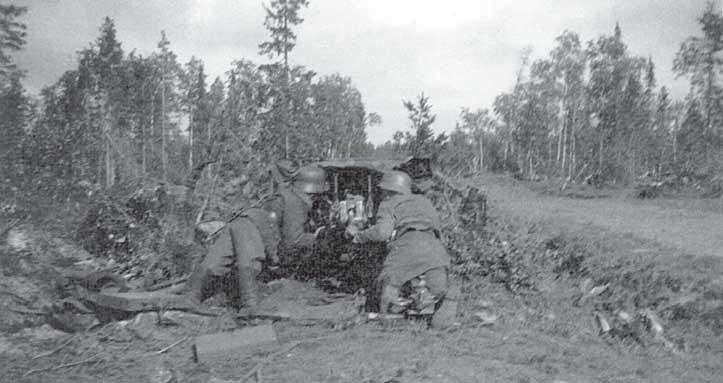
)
(274, 233)
(411, 225)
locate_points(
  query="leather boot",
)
(193, 288)
(446, 314)
(248, 289)
(390, 295)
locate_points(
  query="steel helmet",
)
(396, 181)
(286, 168)
(311, 180)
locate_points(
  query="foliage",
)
(419, 140)
(280, 16)
(15, 106)
(120, 116)
(12, 38)
(595, 109)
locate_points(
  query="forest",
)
(120, 175)
(587, 108)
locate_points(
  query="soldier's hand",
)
(352, 230)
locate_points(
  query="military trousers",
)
(232, 263)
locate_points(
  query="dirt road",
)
(691, 227)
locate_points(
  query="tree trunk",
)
(152, 129)
(530, 171)
(600, 153)
(573, 149)
(190, 141)
(286, 107)
(573, 144)
(506, 155)
(549, 164)
(106, 128)
(675, 142)
(559, 144)
(565, 129)
(164, 161)
(481, 154)
(108, 179)
(143, 146)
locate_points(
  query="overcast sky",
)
(458, 52)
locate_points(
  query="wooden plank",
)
(222, 345)
(139, 301)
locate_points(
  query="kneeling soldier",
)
(410, 224)
(273, 232)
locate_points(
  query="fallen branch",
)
(13, 295)
(51, 352)
(28, 312)
(135, 302)
(172, 345)
(169, 283)
(66, 365)
(9, 226)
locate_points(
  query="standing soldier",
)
(274, 231)
(411, 225)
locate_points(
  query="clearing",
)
(662, 255)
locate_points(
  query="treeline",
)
(586, 109)
(121, 115)
(591, 109)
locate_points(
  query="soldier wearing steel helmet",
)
(273, 232)
(410, 223)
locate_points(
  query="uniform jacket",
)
(277, 229)
(411, 224)
(292, 207)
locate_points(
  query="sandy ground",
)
(691, 226)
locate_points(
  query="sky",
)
(460, 53)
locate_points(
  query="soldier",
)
(274, 231)
(283, 172)
(411, 225)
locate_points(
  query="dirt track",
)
(690, 227)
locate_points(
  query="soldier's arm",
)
(295, 218)
(382, 230)
(304, 240)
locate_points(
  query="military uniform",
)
(415, 248)
(293, 206)
(275, 231)
(411, 225)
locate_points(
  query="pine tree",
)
(193, 86)
(421, 141)
(12, 38)
(281, 16)
(14, 104)
(107, 59)
(14, 109)
(699, 59)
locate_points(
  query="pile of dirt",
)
(34, 267)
